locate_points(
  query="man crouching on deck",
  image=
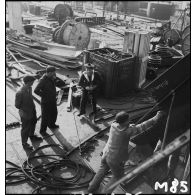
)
(115, 152)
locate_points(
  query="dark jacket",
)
(85, 81)
(46, 90)
(24, 102)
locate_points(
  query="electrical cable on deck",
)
(42, 175)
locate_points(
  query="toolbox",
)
(116, 69)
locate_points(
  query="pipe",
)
(170, 148)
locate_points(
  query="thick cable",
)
(43, 174)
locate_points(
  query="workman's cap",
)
(122, 117)
(88, 65)
(28, 78)
(50, 69)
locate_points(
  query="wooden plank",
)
(136, 43)
(144, 46)
(47, 53)
(142, 73)
(58, 46)
(38, 57)
(11, 155)
(69, 103)
(10, 118)
(14, 58)
(13, 112)
(129, 40)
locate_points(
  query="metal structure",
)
(177, 34)
(91, 21)
(170, 148)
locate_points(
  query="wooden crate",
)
(138, 42)
(117, 76)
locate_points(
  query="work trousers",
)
(49, 115)
(84, 99)
(28, 128)
(117, 170)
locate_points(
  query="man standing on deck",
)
(47, 91)
(24, 102)
(89, 81)
(115, 152)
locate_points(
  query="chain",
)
(12, 125)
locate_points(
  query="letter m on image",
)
(163, 185)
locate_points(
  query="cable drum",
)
(74, 34)
(57, 36)
(62, 11)
(64, 31)
(55, 33)
(80, 36)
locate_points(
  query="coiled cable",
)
(43, 174)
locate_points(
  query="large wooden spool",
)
(74, 34)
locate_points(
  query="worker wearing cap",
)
(47, 91)
(89, 81)
(115, 153)
(24, 102)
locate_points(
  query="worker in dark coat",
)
(115, 153)
(24, 102)
(89, 81)
(46, 89)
